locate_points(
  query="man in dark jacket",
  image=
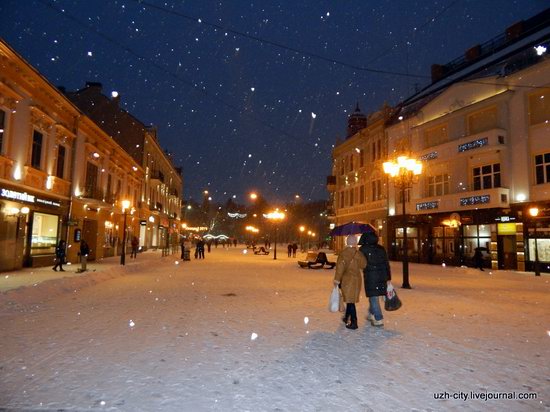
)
(376, 275)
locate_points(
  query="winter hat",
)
(368, 238)
(351, 240)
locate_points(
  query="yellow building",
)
(61, 176)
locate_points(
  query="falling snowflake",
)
(131, 323)
(90, 53)
(254, 336)
(313, 115)
(306, 320)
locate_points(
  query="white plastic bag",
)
(334, 302)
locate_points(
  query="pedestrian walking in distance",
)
(478, 259)
(60, 256)
(289, 249)
(349, 274)
(135, 247)
(84, 252)
(376, 275)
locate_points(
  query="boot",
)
(352, 324)
(345, 319)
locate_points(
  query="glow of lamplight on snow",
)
(131, 323)
(7, 276)
(306, 320)
(245, 252)
(254, 336)
(313, 115)
(102, 403)
(177, 262)
(548, 332)
(443, 264)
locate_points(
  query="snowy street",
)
(242, 332)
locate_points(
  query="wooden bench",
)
(316, 260)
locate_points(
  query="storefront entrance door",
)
(507, 258)
(89, 234)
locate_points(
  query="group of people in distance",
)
(368, 263)
(292, 248)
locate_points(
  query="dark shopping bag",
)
(391, 300)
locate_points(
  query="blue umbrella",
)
(352, 228)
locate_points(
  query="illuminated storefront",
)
(31, 225)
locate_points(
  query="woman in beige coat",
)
(349, 275)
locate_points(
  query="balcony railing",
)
(157, 175)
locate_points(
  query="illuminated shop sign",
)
(12, 194)
(474, 200)
(28, 198)
(427, 205)
(429, 156)
(473, 144)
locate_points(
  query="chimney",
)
(473, 53)
(438, 72)
(94, 85)
(514, 31)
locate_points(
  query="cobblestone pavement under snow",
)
(241, 332)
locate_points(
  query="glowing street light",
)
(275, 216)
(534, 212)
(253, 196)
(404, 172)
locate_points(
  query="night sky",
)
(251, 95)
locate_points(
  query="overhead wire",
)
(164, 69)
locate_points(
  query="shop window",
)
(60, 170)
(44, 233)
(361, 158)
(539, 107)
(362, 194)
(36, 154)
(482, 121)
(2, 126)
(542, 168)
(438, 185)
(486, 177)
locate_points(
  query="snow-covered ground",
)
(239, 332)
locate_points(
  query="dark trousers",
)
(351, 312)
(59, 263)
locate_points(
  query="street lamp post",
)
(534, 212)
(302, 228)
(125, 207)
(275, 216)
(404, 172)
